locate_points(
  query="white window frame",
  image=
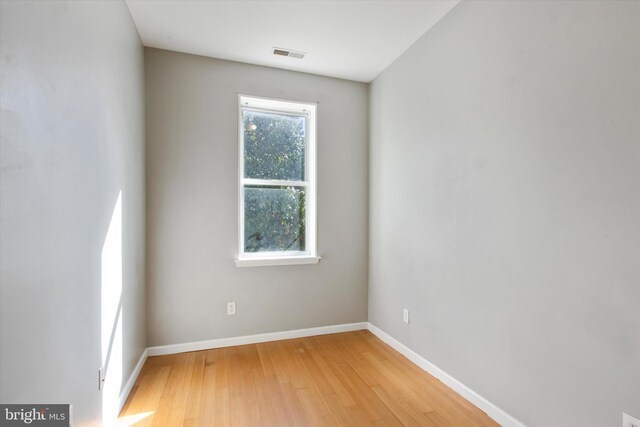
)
(309, 256)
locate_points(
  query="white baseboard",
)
(497, 414)
(254, 339)
(124, 393)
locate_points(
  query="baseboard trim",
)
(124, 393)
(497, 414)
(254, 339)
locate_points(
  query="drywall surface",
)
(505, 205)
(72, 256)
(192, 204)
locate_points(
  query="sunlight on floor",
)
(131, 420)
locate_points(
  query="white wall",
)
(72, 140)
(505, 205)
(192, 204)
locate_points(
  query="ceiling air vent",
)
(288, 52)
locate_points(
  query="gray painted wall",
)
(192, 204)
(505, 205)
(72, 138)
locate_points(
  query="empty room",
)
(320, 213)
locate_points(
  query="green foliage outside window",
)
(274, 146)
(274, 149)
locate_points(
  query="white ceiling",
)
(349, 39)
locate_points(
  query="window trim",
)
(309, 110)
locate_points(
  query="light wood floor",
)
(348, 379)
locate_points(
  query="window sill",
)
(264, 262)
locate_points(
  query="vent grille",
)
(288, 52)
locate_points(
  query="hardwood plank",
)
(271, 400)
(295, 407)
(147, 394)
(195, 394)
(366, 399)
(242, 389)
(310, 407)
(347, 379)
(206, 410)
(173, 403)
(408, 414)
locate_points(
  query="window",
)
(277, 182)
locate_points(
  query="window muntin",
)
(277, 179)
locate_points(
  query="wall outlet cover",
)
(405, 316)
(231, 308)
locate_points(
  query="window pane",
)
(274, 219)
(274, 146)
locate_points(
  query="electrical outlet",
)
(405, 316)
(629, 421)
(100, 378)
(231, 308)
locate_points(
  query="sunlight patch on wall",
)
(111, 317)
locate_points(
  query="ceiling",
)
(349, 39)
